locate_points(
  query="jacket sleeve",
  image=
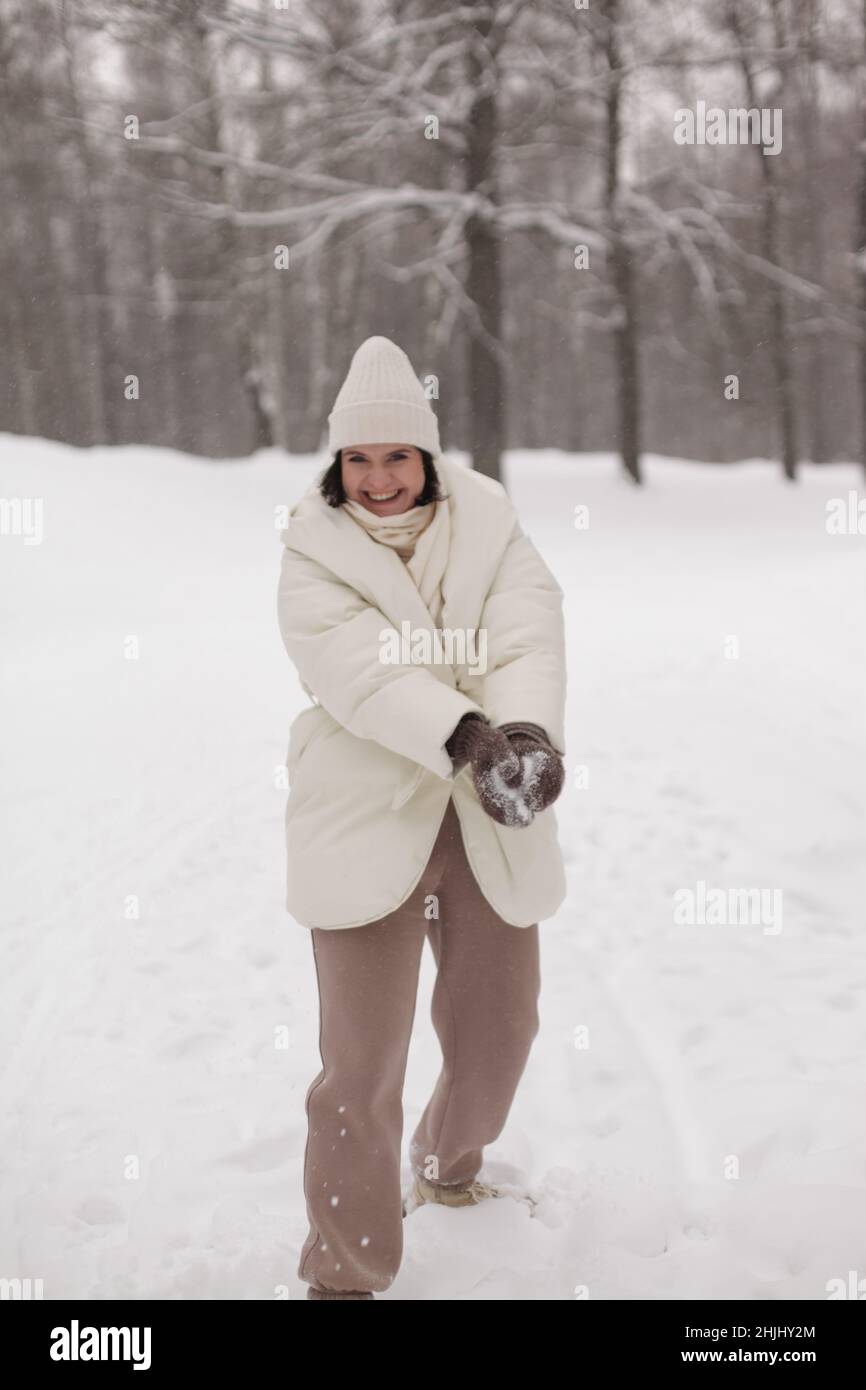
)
(333, 638)
(523, 616)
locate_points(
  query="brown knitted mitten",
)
(496, 769)
(543, 768)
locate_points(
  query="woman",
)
(428, 633)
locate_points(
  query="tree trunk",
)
(777, 308)
(487, 372)
(103, 380)
(622, 271)
(251, 366)
(782, 373)
(861, 264)
(815, 393)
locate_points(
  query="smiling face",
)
(384, 478)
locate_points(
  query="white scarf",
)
(421, 537)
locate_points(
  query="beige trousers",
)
(485, 1012)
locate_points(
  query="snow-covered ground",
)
(709, 1141)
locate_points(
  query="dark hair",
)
(331, 483)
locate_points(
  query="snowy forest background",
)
(222, 198)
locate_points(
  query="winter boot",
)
(463, 1194)
(453, 1194)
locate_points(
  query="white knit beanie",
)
(382, 402)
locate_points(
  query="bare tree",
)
(95, 324)
(193, 18)
(487, 373)
(494, 185)
(368, 92)
(778, 327)
(627, 331)
(861, 249)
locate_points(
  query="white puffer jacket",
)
(369, 776)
